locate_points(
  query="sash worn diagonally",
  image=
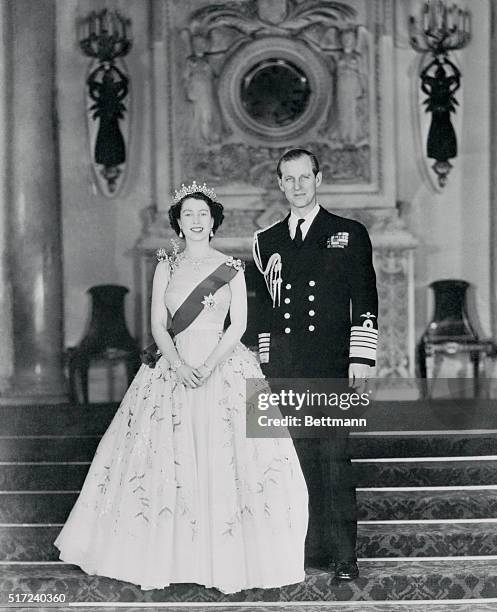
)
(192, 305)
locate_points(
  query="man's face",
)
(299, 184)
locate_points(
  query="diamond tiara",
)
(193, 188)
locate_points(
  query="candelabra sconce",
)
(438, 30)
(105, 37)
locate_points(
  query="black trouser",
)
(330, 480)
(327, 469)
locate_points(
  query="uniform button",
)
(312, 283)
(287, 300)
(287, 330)
(311, 298)
(288, 286)
(287, 315)
(311, 313)
(311, 328)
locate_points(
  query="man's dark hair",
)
(297, 154)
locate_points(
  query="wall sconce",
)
(105, 37)
(438, 30)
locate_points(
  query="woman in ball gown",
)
(176, 491)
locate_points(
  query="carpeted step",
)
(38, 507)
(35, 543)
(436, 539)
(421, 445)
(433, 415)
(42, 476)
(48, 448)
(339, 606)
(82, 447)
(425, 504)
(54, 506)
(470, 605)
(428, 473)
(56, 420)
(379, 580)
(70, 475)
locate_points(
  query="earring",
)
(211, 234)
(180, 234)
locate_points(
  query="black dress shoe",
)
(346, 570)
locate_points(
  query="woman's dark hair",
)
(215, 207)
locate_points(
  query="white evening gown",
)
(176, 492)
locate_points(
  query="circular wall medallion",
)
(275, 90)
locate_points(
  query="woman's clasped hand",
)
(193, 377)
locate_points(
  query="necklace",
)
(196, 262)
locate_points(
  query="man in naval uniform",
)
(317, 318)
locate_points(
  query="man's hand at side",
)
(358, 375)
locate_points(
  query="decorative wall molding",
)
(218, 58)
(493, 176)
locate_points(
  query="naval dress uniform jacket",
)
(317, 311)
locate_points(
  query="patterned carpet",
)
(45, 453)
(379, 581)
(453, 607)
(325, 607)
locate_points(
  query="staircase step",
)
(434, 415)
(35, 542)
(472, 605)
(42, 476)
(48, 448)
(43, 507)
(426, 504)
(379, 581)
(70, 475)
(414, 539)
(82, 447)
(444, 445)
(428, 473)
(54, 420)
(54, 506)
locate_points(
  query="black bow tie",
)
(298, 239)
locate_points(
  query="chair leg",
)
(421, 358)
(83, 373)
(475, 360)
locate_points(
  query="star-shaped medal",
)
(209, 302)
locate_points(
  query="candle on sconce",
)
(429, 11)
(107, 22)
(467, 24)
(443, 24)
(91, 23)
(104, 35)
(460, 22)
(426, 17)
(115, 25)
(440, 15)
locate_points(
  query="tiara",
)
(185, 190)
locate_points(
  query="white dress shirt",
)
(308, 219)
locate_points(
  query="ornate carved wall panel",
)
(245, 80)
